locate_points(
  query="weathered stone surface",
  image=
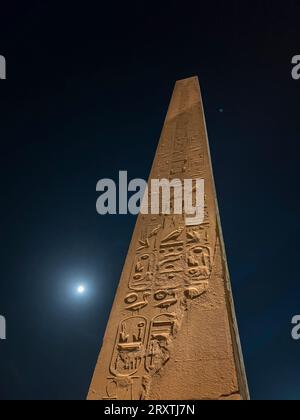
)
(172, 332)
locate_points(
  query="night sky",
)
(88, 86)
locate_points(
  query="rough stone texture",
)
(172, 332)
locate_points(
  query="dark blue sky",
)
(87, 91)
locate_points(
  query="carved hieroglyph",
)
(172, 332)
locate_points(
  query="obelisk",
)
(172, 333)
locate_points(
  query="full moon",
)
(80, 289)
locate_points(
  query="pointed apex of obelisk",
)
(188, 79)
(186, 94)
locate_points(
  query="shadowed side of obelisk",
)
(172, 332)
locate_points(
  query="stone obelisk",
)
(172, 333)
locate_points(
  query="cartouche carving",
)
(130, 346)
(143, 272)
(163, 328)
